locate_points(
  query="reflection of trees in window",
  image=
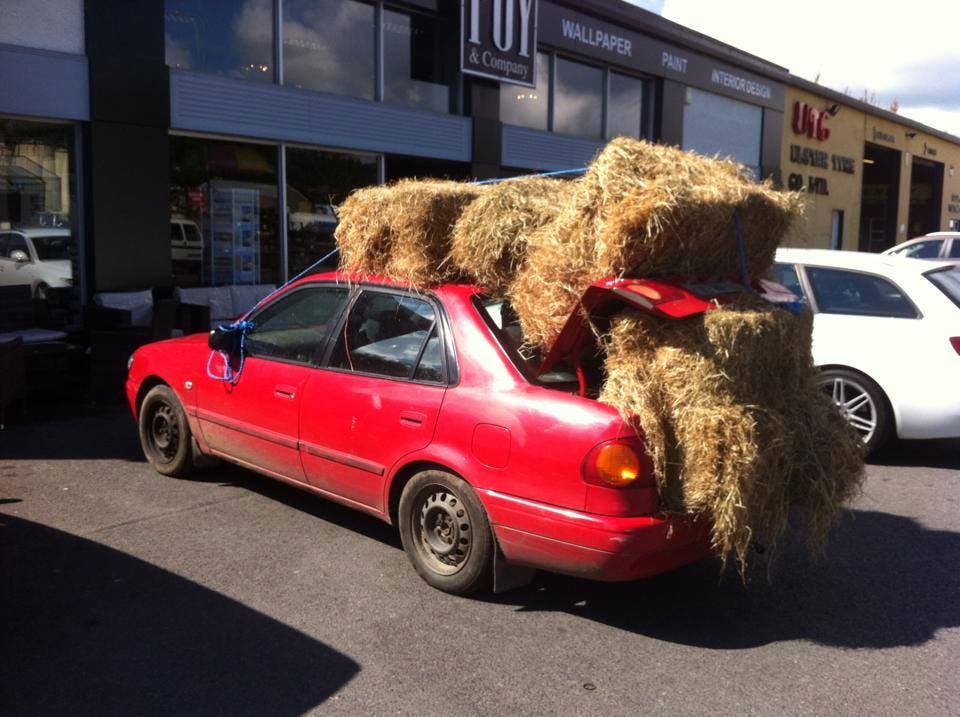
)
(578, 107)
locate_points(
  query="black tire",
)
(445, 532)
(868, 403)
(165, 433)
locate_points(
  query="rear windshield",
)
(948, 281)
(50, 248)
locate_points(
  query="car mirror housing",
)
(221, 339)
(19, 256)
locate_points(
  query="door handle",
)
(412, 418)
(284, 391)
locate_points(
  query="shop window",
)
(715, 125)
(222, 37)
(36, 216)
(578, 105)
(225, 194)
(329, 46)
(47, 24)
(526, 106)
(417, 61)
(625, 106)
(317, 182)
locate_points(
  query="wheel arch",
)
(146, 385)
(403, 475)
(883, 392)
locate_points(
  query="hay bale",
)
(490, 239)
(403, 230)
(734, 421)
(647, 210)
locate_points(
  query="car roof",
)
(861, 260)
(946, 235)
(40, 232)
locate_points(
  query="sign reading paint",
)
(499, 40)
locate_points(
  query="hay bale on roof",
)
(403, 230)
(734, 421)
(490, 239)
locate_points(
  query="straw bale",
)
(403, 230)
(491, 237)
(734, 421)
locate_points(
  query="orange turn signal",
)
(617, 464)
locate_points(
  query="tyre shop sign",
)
(499, 40)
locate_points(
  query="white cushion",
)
(216, 298)
(34, 336)
(245, 297)
(138, 303)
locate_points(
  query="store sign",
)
(883, 136)
(499, 40)
(929, 151)
(809, 121)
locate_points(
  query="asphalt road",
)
(122, 592)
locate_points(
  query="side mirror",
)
(19, 256)
(222, 340)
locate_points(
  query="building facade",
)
(185, 143)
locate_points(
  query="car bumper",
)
(598, 547)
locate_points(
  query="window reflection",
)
(317, 182)
(579, 99)
(223, 37)
(328, 46)
(525, 106)
(417, 62)
(625, 106)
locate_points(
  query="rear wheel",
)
(165, 433)
(445, 532)
(862, 403)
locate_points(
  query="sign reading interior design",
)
(499, 39)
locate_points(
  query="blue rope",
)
(558, 173)
(229, 375)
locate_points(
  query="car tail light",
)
(620, 463)
(955, 342)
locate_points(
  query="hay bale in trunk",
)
(734, 421)
(490, 239)
(647, 210)
(403, 230)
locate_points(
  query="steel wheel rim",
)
(163, 431)
(443, 530)
(854, 403)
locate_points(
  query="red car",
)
(421, 409)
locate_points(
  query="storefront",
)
(873, 179)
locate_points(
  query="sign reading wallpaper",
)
(499, 39)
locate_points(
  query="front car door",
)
(254, 420)
(378, 396)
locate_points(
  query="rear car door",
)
(255, 419)
(377, 397)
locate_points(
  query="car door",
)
(254, 419)
(17, 272)
(377, 397)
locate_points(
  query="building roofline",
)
(867, 108)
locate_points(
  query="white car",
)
(39, 258)
(938, 245)
(886, 335)
(186, 240)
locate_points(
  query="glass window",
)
(17, 243)
(625, 106)
(329, 46)
(37, 198)
(713, 124)
(223, 37)
(384, 334)
(47, 24)
(853, 293)
(955, 249)
(948, 281)
(294, 327)
(316, 184)
(524, 106)
(578, 106)
(418, 61)
(225, 192)
(922, 249)
(785, 275)
(430, 367)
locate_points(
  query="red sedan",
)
(421, 409)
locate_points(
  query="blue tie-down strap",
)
(229, 375)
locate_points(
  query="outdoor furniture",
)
(215, 305)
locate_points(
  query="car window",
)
(295, 326)
(4, 238)
(786, 276)
(192, 233)
(386, 334)
(15, 242)
(955, 249)
(176, 234)
(52, 247)
(948, 281)
(849, 292)
(922, 249)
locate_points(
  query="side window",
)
(4, 238)
(922, 249)
(955, 249)
(176, 234)
(294, 327)
(853, 293)
(786, 276)
(390, 335)
(15, 242)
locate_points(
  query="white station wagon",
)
(886, 334)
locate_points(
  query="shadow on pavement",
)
(925, 454)
(888, 582)
(90, 630)
(90, 435)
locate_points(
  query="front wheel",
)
(165, 433)
(862, 403)
(445, 532)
